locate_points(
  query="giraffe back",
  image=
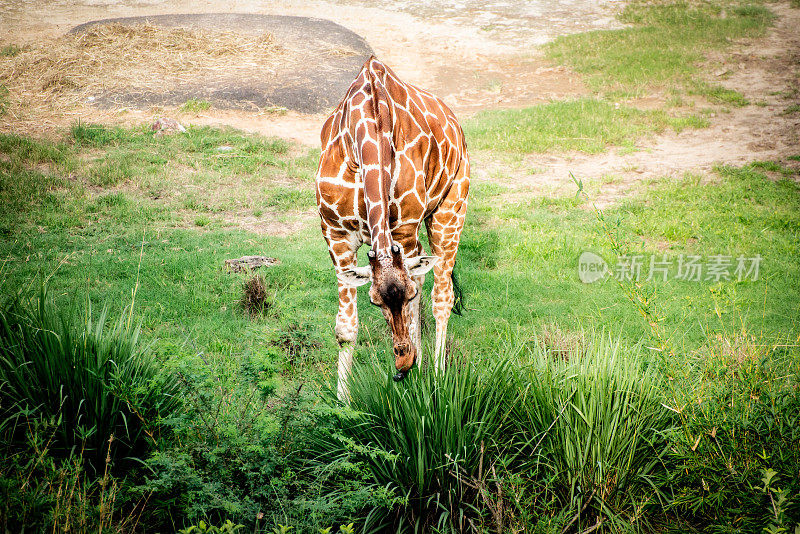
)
(390, 152)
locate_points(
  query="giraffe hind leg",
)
(416, 319)
(444, 231)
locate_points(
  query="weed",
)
(740, 428)
(97, 382)
(202, 221)
(112, 200)
(298, 342)
(284, 198)
(425, 439)
(3, 99)
(23, 151)
(592, 424)
(49, 493)
(228, 527)
(10, 50)
(98, 135)
(110, 172)
(194, 105)
(230, 458)
(560, 343)
(256, 299)
(771, 166)
(794, 108)
(720, 95)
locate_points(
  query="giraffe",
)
(393, 156)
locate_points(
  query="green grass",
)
(588, 419)
(720, 95)
(3, 99)
(89, 381)
(10, 50)
(193, 105)
(94, 156)
(424, 440)
(509, 251)
(674, 422)
(587, 124)
(794, 108)
(517, 263)
(662, 48)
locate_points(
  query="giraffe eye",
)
(371, 254)
(395, 249)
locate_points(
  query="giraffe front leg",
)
(444, 232)
(344, 258)
(346, 333)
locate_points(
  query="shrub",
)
(734, 462)
(90, 380)
(79, 398)
(566, 436)
(229, 459)
(589, 432)
(424, 444)
(256, 298)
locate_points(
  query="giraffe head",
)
(393, 288)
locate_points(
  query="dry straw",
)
(111, 58)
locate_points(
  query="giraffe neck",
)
(376, 159)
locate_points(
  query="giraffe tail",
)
(458, 293)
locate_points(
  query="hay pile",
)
(113, 57)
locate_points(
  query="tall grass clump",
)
(589, 432)
(425, 443)
(86, 379)
(532, 438)
(734, 463)
(662, 46)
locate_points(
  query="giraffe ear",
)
(420, 265)
(358, 276)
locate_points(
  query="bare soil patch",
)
(486, 62)
(766, 71)
(472, 66)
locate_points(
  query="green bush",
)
(425, 443)
(79, 400)
(589, 431)
(230, 455)
(536, 438)
(93, 379)
(735, 460)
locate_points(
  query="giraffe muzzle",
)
(399, 376)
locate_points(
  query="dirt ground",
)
(482, 56)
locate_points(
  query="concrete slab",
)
(326, 58)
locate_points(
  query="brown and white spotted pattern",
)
(393, 156)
